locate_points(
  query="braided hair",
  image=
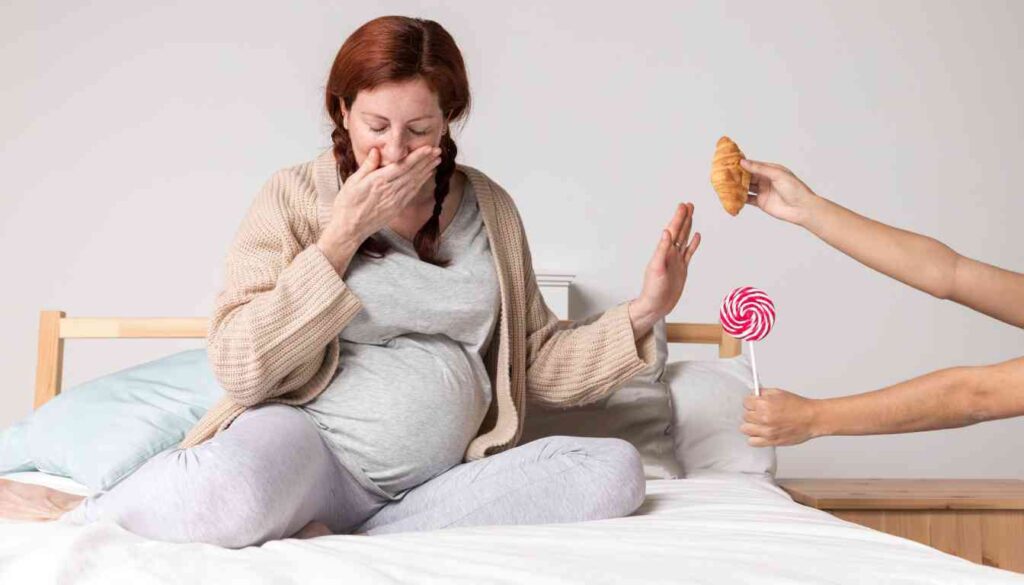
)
(393, 49)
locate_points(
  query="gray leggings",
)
(270, 473)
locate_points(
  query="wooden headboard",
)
(55, 327)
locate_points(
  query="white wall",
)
(134, 138)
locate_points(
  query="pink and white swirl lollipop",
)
(748, 313)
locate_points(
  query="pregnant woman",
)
(380, 332)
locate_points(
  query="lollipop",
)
(748, 314)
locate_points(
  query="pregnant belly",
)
(406, 411)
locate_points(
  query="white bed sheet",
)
(712, 528)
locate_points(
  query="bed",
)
(710, 527)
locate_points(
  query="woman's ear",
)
(344, 114)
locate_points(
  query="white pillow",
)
(707, 403)
(639, 412)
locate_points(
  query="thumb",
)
(761, 168)
(370, 163)
(750, 401)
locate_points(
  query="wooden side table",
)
(981, 520)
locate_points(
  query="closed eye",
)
(385, 128)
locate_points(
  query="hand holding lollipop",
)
(748, 314)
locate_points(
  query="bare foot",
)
(34, 503)
(312, 530)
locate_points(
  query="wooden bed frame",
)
(55, 327)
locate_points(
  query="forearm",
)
(919, 261)
(338, 247)
(266, 327)
(581, 364)
(939, 400)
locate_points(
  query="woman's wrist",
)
(641, 318)
(338, 247)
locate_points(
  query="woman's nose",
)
(394, 149)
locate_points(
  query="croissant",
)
(730, 180)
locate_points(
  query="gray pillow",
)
(707, 402)
(639, 411)
(655, 371)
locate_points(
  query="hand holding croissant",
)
(771, 187)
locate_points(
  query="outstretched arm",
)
(919, 261)
(567, 366)
(954, 397)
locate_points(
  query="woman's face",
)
(396, 118)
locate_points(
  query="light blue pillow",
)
(99, 432)
(14, 449)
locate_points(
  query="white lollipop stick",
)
(753, 365)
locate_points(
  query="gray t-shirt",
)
(411, 389)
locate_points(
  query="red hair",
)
(394, 49)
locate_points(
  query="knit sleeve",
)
(282, 303)
(570, 365)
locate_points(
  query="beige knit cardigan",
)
(273, 336)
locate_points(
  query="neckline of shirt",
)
(466, 188)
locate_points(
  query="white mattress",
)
(714, 528)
